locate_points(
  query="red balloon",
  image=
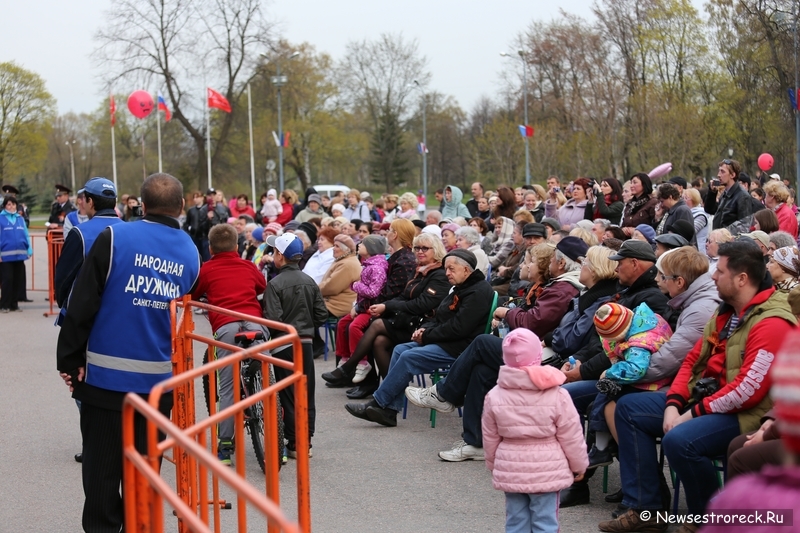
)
(140, 104)
(765, 162)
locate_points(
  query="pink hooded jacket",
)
(532, 435)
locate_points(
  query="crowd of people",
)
(630, 316)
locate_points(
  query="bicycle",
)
(250, 374)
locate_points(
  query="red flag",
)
(218, 101)
(112, 107)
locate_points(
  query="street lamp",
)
(525, 105)
(279, 81)
(71, 161)
(416, 85)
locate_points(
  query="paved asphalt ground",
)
(364, 477)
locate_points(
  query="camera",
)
(136, 211)
(556, 189)
(592, 183)
(716, 183)
(703, 388)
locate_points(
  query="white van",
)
(331, 190)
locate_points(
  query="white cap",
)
(775, 177)
(433, 230)
(288, 244)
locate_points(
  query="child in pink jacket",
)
(532, 435)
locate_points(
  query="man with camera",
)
(720, 392)
(725, 199)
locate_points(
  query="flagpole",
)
(114, 158)
(158, 129)
(208, 137)
(252, 159)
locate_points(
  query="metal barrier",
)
(55, 242)
(145, 491)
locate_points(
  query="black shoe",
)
(576, 494)
(381, 415)
(599, 458)
(338, 378)
(359, 410)
(614, 497)
(619, 511)
(25, 300)
(79, 457)
(364, 390)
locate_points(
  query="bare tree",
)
(182, 46)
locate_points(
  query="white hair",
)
(471, 235)
(569, 264)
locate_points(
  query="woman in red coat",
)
(775, 196)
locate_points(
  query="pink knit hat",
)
(785, 391)
(274, 228)
(521, 348)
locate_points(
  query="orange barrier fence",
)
(146, 491)
(55, 242)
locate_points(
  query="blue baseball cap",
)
(288, 244)
(100, 187)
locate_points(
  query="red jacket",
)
(787, 221)
(230, 282)
(765, 337)
(287, 215)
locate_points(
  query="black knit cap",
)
(466, 255)
(310, 230)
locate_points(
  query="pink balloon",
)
(765, 162)
(660, 170)
(140, 104)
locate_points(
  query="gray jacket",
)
(695, 306)
(293, 298)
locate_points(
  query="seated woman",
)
(319, 263)
(396, 319)
(784, 267)
(344, 271)
(401, 267)
(449, 236)
(501, 277)
(715, 238)
(502, 241)
(599, 276)
(408, 207)
(469, 239)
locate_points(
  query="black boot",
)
(576, 494)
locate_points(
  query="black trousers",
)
(12, 277)
(471, 376)
(101, 430)
(287, 395)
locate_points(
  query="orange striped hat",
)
(613, 321)
(785, 391)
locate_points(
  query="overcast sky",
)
(461, 40)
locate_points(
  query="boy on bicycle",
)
(294, 298)
(232, 283)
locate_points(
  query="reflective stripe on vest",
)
(128, 365)
(23, 251)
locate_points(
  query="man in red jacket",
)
(230, 282)
(720, 391)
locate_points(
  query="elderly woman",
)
(641, 208)
(784, 267)
(319, 263)
(780, 239)
(449, 236)
(502, 241)
(390, 208)
(401, 268)
(469, 239)
(715, 238)
(408, 207)
(395, 320)
(598, 274)
(575, 208)
(337, 210)
(776, 196)
(535, 269)
(344, 271)
(501, 276)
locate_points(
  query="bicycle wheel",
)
(255, 420)
(206, 386)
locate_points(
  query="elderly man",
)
(475, 372)
(637, 279)
(460, 317)
(534, 233)
(720, 391)
(433, 218)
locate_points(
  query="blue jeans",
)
(526, 513)
(582, 393)
(408, 360)
(689, 447)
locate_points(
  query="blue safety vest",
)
(14, 241)
(130, 346)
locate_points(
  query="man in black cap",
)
(62, 206)
(637, 284)
(669, 241)
(679, 182)
(534, 233)
(437, 343)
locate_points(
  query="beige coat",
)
(335, 285)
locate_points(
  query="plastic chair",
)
(721, 465)
(330, 329)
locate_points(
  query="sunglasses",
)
(423, 249)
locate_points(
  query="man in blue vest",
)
(79, 216)
(126, 283)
